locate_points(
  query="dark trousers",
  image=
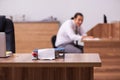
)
(72, 48)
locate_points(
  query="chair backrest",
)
(8, 27)
(53, 40)
(2, 23)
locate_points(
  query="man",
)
(70, 35)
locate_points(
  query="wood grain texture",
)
(71, 60)
(108, 48)
(82, 73)
(31, 35)
(68, 70)
(109, 30)
(110, 56)
(115, 30)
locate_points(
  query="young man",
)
(70, 35)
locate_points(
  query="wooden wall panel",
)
(110, 30)
(96, 31)
(116, 30)
(105, 30)
(31, 35)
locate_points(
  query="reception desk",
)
(102, 46)
(108, 50)
(72, 67)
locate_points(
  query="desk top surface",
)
(70, 60)
(102, 40)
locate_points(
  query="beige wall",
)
(63, 9)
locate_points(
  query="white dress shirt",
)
(66, 33)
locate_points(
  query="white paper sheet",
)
(91, 39)
(48, 53)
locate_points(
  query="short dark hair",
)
(77, 14)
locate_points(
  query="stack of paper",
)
(46, 53)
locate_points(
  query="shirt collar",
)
(74, 23)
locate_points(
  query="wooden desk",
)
(73, 67)
(109, 51)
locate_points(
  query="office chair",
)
(6, 25)
(53, 39)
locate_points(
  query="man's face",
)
(78, 20)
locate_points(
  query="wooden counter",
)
(108, 50)
(73, 67)
(102, 46)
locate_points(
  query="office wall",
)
(35, 10)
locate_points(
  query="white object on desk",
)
(2, 44)
(46, 53)
(91, 39)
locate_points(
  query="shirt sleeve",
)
(82, 31)
(70, 32)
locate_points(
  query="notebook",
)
(2, 45)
